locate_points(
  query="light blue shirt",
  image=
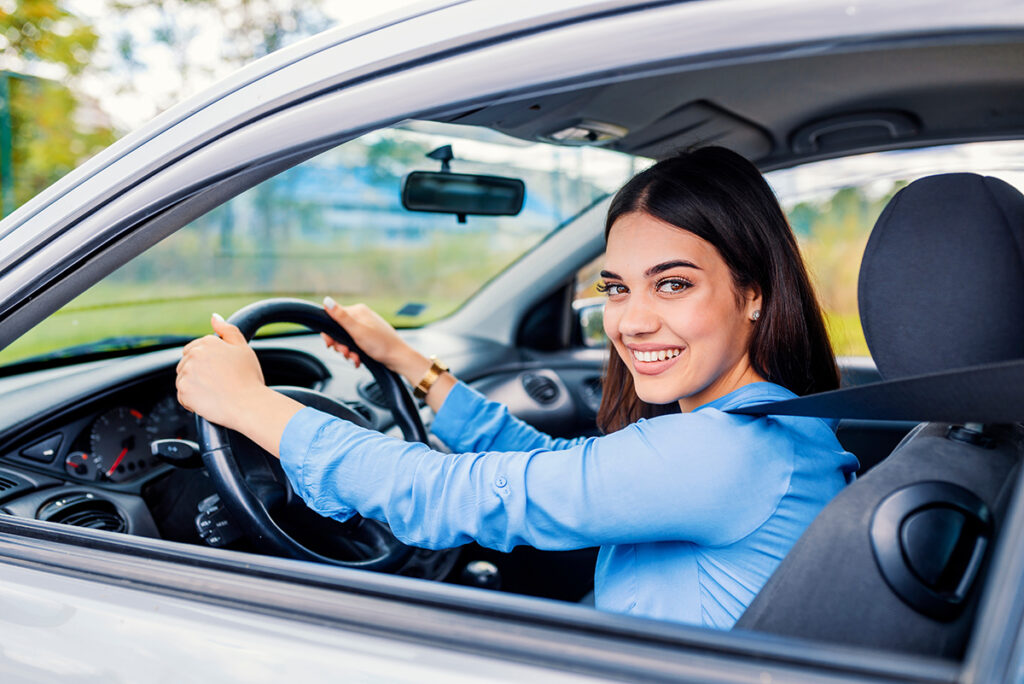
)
(692, 511)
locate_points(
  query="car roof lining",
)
(858, 100)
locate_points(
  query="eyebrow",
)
(657, 268)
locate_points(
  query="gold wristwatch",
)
(429, 378)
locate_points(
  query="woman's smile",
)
(650, 360)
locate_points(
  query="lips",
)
(654, 361)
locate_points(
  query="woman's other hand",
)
(375, 337)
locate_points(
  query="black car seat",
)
(896, 560)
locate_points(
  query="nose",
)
(638, 318)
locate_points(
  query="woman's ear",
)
(752, 302)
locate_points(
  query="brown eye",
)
(611, 289)
(674, 285)
(615, 289)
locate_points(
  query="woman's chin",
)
(655, 395)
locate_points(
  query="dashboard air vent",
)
(84, 509)
(11, 485)
(541, 389)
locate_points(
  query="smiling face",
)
(674, 314)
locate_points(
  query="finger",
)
(227, 332)
(338, 313)
(182, 400)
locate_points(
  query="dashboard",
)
(75, 442)
(76, 446)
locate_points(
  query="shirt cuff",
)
(459, 406)
(298, 445)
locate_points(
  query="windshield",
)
(335, 225)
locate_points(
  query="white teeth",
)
(660, 355)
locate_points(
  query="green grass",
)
(81, 324)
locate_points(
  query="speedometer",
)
(120, 444)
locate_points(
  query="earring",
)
(757, 314)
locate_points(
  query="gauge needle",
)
(118, 461)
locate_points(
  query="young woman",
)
(709, 309)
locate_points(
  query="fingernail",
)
(217, 317)
(329, 302)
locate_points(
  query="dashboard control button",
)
(213, 523)
(43, 451)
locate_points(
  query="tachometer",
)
(120, 444)
(169, 420)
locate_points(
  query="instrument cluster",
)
(116, 446)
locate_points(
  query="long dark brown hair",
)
(721, 197)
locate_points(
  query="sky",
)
(159, 85)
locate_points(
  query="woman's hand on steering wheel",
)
(220, 379)
(250, 487)
(377, 338)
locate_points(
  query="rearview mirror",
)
(462, 194)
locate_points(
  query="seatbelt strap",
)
(990, 393)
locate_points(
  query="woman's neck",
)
(730, 381)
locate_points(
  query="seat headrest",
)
(941, 285)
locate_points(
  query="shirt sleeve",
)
(468, 421)
(705, 477)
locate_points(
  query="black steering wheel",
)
(252, 485)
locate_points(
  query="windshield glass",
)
(335, 225)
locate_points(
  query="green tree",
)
(46, 129)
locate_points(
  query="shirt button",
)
(500, 482)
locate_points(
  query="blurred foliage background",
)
(46, 129)
(832, 234)
(49, 52)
